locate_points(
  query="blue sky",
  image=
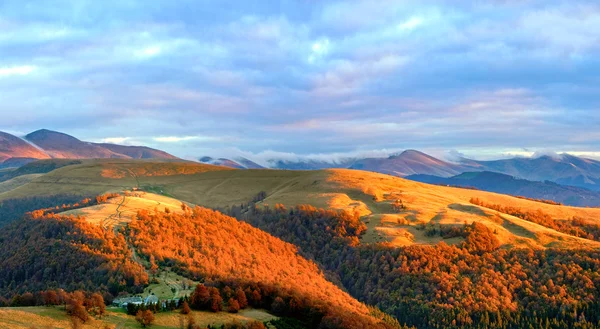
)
(288, 78)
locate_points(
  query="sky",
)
(305, 78)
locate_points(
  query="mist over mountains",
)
(561, 178)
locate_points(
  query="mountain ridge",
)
(47, 144)
(506, 184)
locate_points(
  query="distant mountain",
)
(137, 152)
(221, 162)
(506, 184)
(14, 147)
(238, 163)
(409, 162)
(63, 146)
(46, 144)
(248, 164)
(308, 164)
(564, 169)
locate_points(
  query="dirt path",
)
(113, 219)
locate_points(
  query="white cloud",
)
(319, 49)
(115, 140)
(16, 70)
(147, 52)
(173, 139)
(410, 24)
(177, 139)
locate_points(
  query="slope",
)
(500, 183)
(563, 169)
(136, 239)
(136, 152)
(63, 146)
(408, 163)
(59, 145)
(396, 210)
(14, 147)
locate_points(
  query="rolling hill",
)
(505, 184)
(372, 195)
(117, 246)
(410, 248)
(562, 169)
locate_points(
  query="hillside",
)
(374, 196)
(59, 145)
(136, 152)
(120, 245)
(499, 253)
(505, 184)
(55, 317)
(409, 162)
(44, 144)
(13, 183)
(14, 147)
(36, 167)
(563, 169)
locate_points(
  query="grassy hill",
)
(138, 238)
(370, 194)
(55, 317)
(13, 183)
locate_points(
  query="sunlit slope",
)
(98, 176)
(120, 210)
(203, 244)
(451, 206)
(370, 194)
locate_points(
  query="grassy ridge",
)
(371, 195)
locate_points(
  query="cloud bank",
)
(325, 78)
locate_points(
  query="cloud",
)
(175, 139)
(325, 79)
(115, 140)
(16, 70)
(410, 24)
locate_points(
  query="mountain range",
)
(48, 144)
(506, 184)
(564, 169)
(562, 178)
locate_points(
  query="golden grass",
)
(369, 194)
(120, 210)
(56, 318)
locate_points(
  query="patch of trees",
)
(38, 167)
(243, 266)
(13, 209)
(37, 206)
(575, 227)
(79, 305)
(539, 200)
(473, 285)
(52, 251)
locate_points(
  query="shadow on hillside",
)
(468, 209)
